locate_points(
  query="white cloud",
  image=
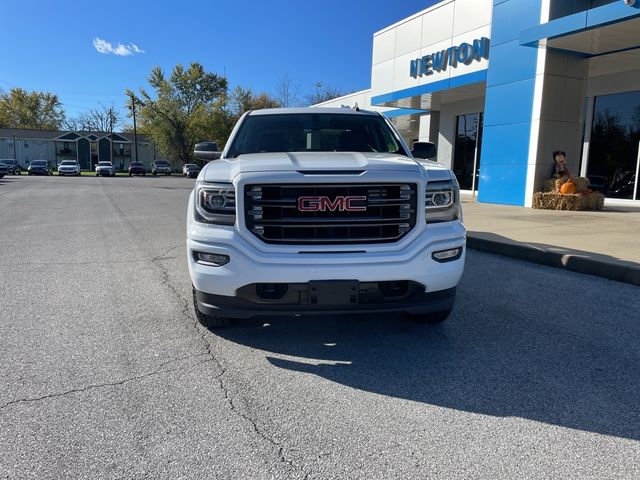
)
(105, 47)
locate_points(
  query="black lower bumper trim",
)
(240, 307)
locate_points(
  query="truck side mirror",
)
(424, 150)
(207, 151)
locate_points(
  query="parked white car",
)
(105, 169)
(191, 170)
(187, 166)
(69, 167)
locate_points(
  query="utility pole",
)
(111, 137)
(135, 129)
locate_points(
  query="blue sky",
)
(49, 45)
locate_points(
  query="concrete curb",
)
(620, 271)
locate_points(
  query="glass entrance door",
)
(615, 145)
(466, 151)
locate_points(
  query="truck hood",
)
(218, 170)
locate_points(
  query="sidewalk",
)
(604, 243)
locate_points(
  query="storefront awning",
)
(599, 31)
(431, 95)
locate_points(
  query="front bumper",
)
(249, 264)
(299, 300)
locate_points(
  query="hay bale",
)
(549, 185)
(554, 184)
(574, 202)
(582, 184)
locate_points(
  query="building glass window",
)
(466, 153)
(615, 141)
(562, 8)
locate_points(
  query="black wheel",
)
(144, 173)
(431, 318)
(206, 320)
(153, 173)
(129, 173)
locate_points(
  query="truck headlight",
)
(442, 201)
(215, 203)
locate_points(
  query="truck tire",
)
(431, 318)
(206, 320)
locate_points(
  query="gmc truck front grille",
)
(330, 214)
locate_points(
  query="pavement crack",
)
(157, 372)
(163, 255)
(222, 370)
(281, 451)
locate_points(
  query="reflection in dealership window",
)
(615, 139)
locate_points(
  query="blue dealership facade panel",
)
(508, 104)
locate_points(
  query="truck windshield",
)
(310, 132)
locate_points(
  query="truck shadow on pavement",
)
(501, 355)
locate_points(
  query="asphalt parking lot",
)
(105, 373)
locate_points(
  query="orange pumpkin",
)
(568, 187)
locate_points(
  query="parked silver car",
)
(160, 166)
(105, 169)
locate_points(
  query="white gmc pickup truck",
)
(322, 211)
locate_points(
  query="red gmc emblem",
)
(340, 203)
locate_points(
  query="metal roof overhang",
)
(431, 96)
(599, 31)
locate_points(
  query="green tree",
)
(231, 107)
(38, 110)
(179, 113)
(242, 100)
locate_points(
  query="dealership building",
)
(499, 85)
